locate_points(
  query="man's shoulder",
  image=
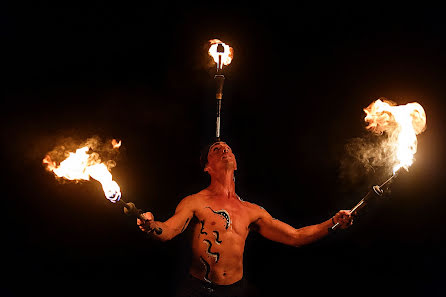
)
(197, 196)
(253, 206)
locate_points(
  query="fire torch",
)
(401, 124)
(83, 165)
(130, 209)
(375, 193)
(222, 55)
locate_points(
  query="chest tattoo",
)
(207, 269)
(212, 255)
(215, 255)
(224, 214)
(202, 229)
(217, 237)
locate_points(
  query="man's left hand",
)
(344, 218)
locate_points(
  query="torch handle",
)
(131, 209)
(220, 80)
(376, 191)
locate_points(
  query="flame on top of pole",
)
(402, 122)
(221, 53)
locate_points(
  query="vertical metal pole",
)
(217, 129)
(219, 95)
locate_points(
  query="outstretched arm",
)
(279, 231)
(173, 226)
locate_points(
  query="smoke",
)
(370, 154)
(391, 143)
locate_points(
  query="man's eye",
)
(216, 149)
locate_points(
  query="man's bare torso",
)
(219, 233)
(220, 222)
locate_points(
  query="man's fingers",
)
(148, 216)
(344, 218)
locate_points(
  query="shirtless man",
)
(222, 221)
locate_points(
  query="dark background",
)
(293, 99)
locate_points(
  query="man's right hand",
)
(146, 225)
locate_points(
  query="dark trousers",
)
(193, 287)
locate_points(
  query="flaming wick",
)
(222, 55)
(80, 165)
(402, 123)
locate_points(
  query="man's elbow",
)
(298, 239)
(163, 238)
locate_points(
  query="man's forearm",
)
(164, 233)
(309, 234)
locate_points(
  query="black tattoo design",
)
(185, 225)
(212, 254)
(202, 228)
(207, 268)
(217, 237)
(224, 214)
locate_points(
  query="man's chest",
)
(223, 216)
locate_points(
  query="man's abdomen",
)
(217, 257)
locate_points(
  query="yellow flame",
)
(402, 122)
(80, 165)
(223, 58)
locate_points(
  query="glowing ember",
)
(221, 53)
(115, 143)
(82, 165)
(402, 122)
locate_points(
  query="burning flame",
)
(402, 122)
(116, 144)
(81, 165)
(221, 53)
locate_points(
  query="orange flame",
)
(402, 122)
(115, 143)
(221, 58)
(81, 166)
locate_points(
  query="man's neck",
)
(223, 183)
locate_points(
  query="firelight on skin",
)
(221, 222)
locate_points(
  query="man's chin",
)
(230, 164)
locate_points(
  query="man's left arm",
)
(279, 231)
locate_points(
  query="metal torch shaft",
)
(220, 79)
(218, 120)
(376, 191)
(390, 179)
(131, 209)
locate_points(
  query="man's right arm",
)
(173, 226)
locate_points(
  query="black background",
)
(293, 99)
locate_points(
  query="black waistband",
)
(213, 285)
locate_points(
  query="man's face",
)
(220, 157)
